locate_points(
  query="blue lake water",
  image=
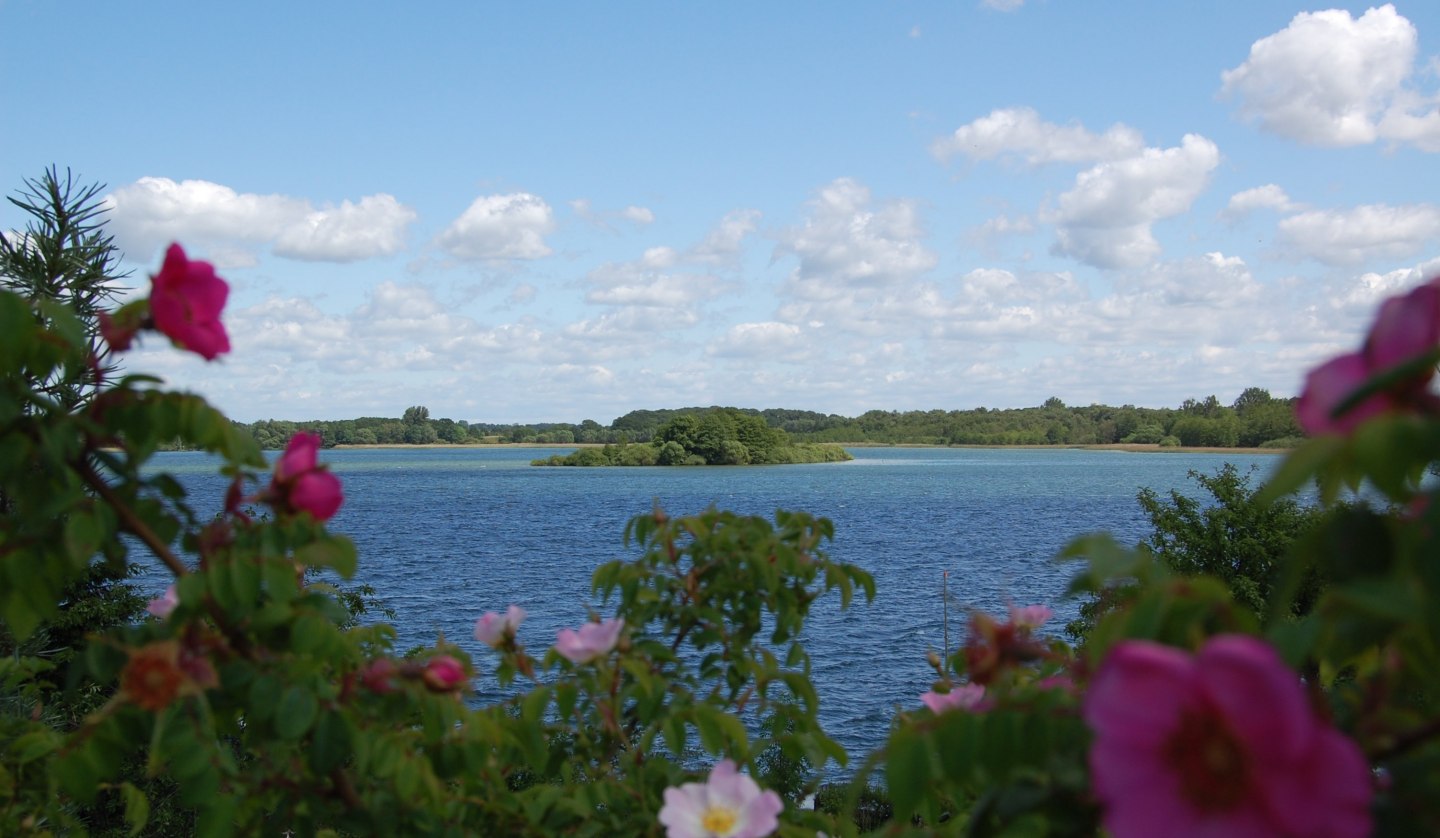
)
(446, 534)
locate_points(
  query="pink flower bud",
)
(186, 298)
(301, 484)
(444, 674)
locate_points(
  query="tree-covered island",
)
(1254, 420)
(717, 437)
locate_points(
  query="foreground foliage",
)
(251, 702)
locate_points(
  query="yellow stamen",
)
(718, 820)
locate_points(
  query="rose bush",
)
(257, 704)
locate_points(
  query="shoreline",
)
(1133, 448)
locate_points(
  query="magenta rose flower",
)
(727, 805)
(494, 630)
(961, 697)
(1327, 386)
(1405, 328)
(379, 675)
(592, 640)
(444, 674)
(185, 302)
(301, 484)
(1218, 743)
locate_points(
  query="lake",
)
(446, 534)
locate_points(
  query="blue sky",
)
(561, 211)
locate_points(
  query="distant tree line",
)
(720, 436)
(1254, 420)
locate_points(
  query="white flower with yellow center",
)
(727, 805)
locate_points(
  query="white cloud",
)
(349, 232)
(722, 244)
(1332, 80)
(1004, 225)
(846, 243)
(1106, 219)
(1003, 5)
(1363, 234)
(154, 211)
(771, 341)
(1267, 197)
(638, 215)
(499, 227)
(1022, 133)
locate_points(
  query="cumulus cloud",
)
(500, 227)
(1105, 220)
(1362, 234)
(1020, 132)
(1003, 5)
(846, 243)
(769, 340)
(1329, 79)
(153, 211)
(1267, 197)
(347, 233)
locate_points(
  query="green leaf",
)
(1300, 468)
(330, 746)
(337, 552)
(137, 807)
(296, 713)
(908, 771)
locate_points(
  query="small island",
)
(717, 437)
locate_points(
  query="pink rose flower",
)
(162, 605)
(1030, 617)
(1219, 743)
(444, 674)
(185, 301)
(495, 629)
(961, 697)
(379, 675)
(1404, 329)
(300, 484)
(1330, 384)
(590, 642)
(727, 805)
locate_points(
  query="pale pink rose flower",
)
(727, 805)
(1223, 742)
(1031, 616)
(590, 642)
(1405, 328)
(1327, 386)
(493, 629)
(186, 298)
(961, 697)
(162, 605)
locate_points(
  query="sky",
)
(550, 212)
